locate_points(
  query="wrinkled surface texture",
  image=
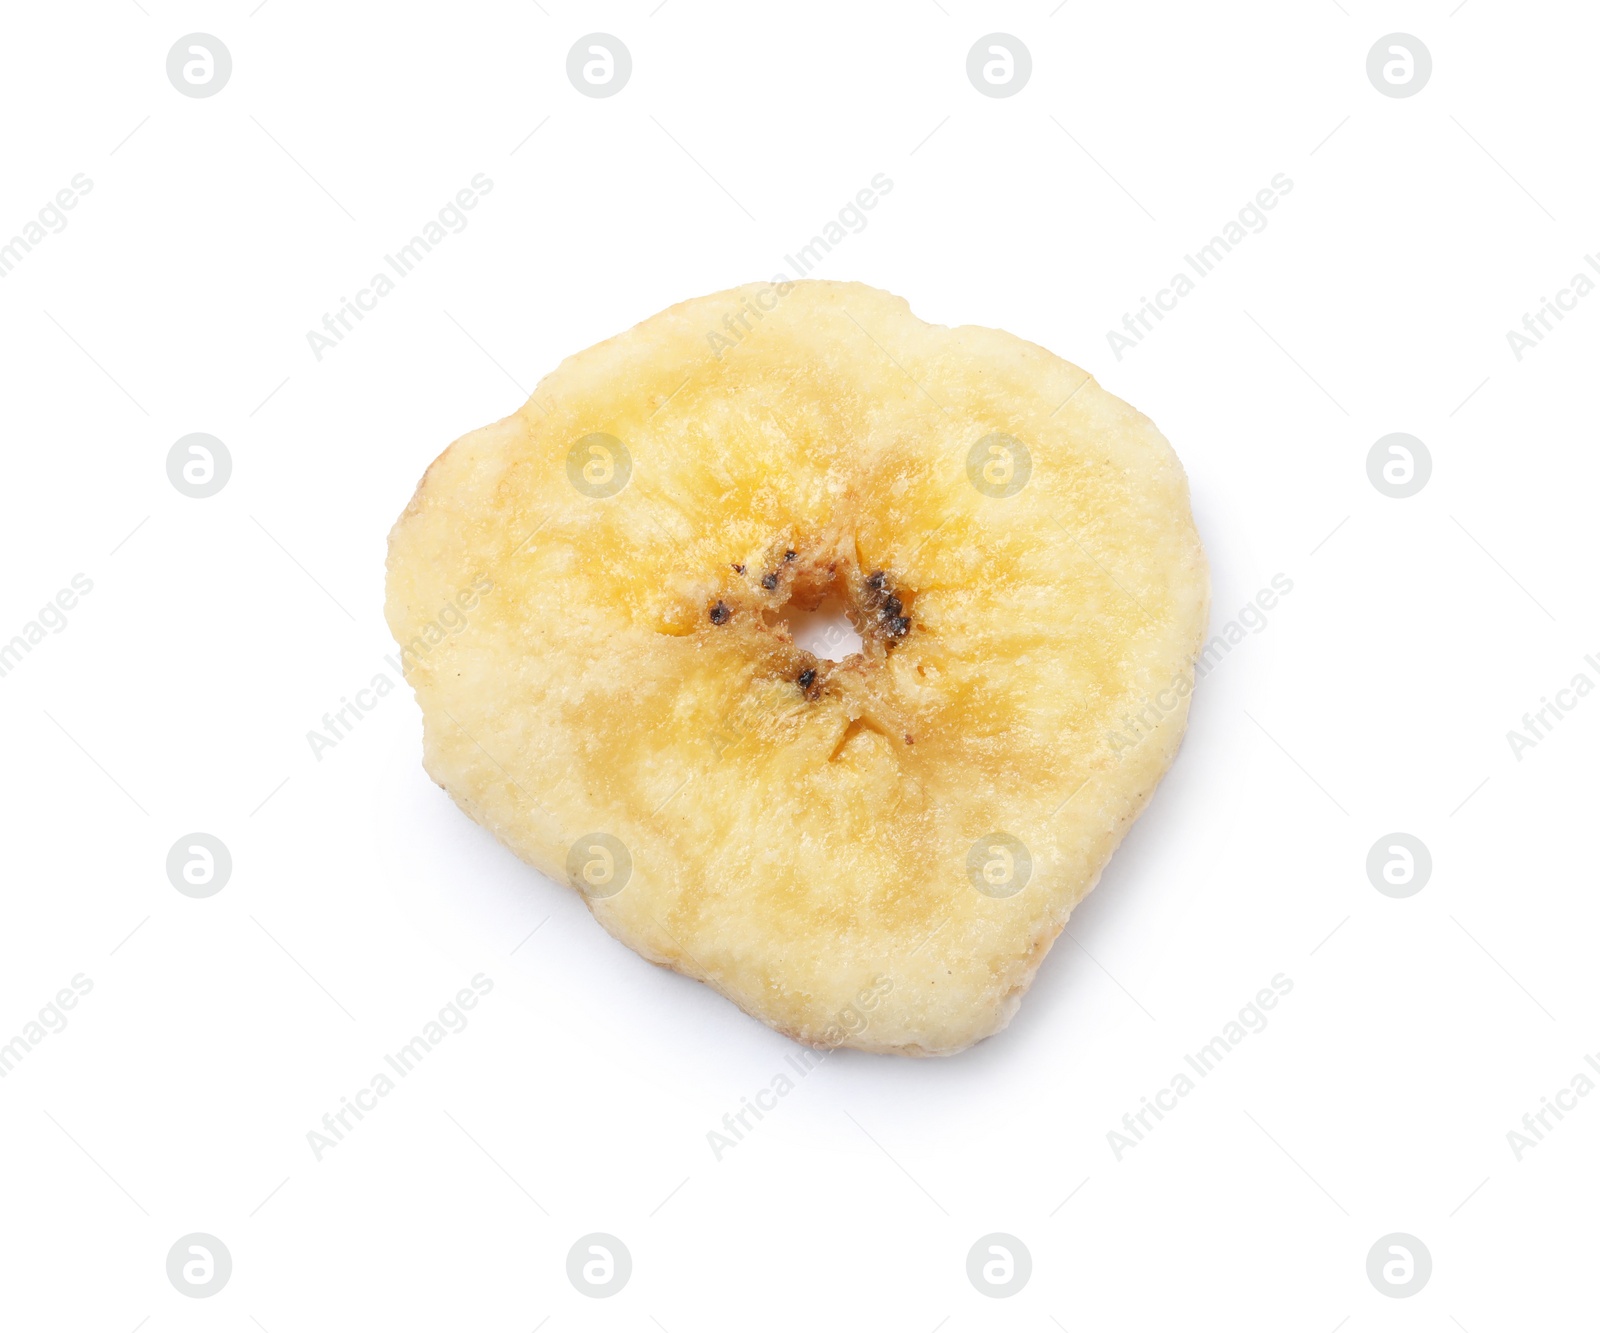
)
(607, 693)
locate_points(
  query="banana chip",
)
(875, 852)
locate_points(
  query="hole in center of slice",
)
(825, 632)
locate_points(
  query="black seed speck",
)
(876, 580)
(720, 613)
(805, 678)
(891, 608)
(738, 569)
(898, 626)
(769, 581)
(788, 556)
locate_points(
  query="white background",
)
(178, 697)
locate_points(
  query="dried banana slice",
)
(875, 852)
